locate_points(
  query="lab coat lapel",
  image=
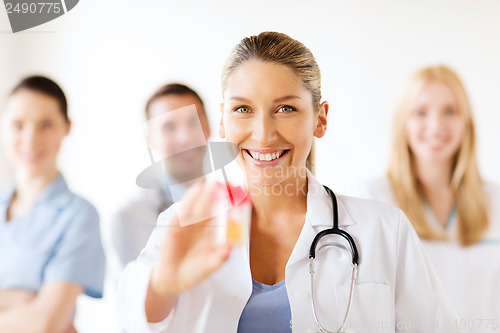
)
(319, 216)
(229, 289)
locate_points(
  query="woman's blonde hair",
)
(470, 199)
(279, 48)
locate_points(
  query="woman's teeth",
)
(265, 157)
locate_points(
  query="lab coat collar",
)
(319, 216)
(319, 206)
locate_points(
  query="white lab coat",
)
(396, 287)
(131, 225)
(470, 275)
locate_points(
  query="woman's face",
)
(435, 126)
(34, 128)
(269, 114)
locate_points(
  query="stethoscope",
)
(312, 256)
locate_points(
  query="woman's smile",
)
(266, 157)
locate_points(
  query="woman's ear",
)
(320, 129)
(68, 128)
(222, 132)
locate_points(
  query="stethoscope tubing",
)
(312, 256)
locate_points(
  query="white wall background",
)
(110, 56)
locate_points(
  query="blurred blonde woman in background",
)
(433, 176)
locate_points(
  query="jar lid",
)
(235, 194)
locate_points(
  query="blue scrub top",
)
(58, 240)
(267, 310)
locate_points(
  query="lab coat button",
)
(302, 295)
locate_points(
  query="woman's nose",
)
(435, 123)
(30, 137)
(264, 129)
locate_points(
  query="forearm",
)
(14, 297)
(29, 318)
(159, 302)
(49, 311)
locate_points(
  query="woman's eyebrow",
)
(242, 99)
(277, 100)
(284, 98)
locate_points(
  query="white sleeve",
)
(419, 292)
(131, 225)
(134, 284)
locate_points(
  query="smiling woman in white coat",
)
(433, 176)
(182, 282)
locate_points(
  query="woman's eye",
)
(286, 109)
(46, 124)
(449, 112)
(17, 125)
(242, 109)
(420, 113)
